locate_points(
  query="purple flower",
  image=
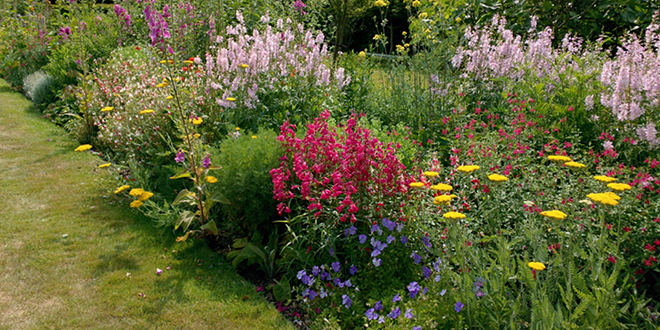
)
(325, 276)
(390, 239)
(459, 305)
(353, 270)
(376, 228)
(331, 251)
(335, 266)
(180, 157)
(371, 314)
(378, 306)
(346, 301)
(206, 162)
(389, 224)
(414, 289)
(159, 271)
(404, 240)
(426, 271)
(426, 242)
(416, 257)
(312, 294)
(376, 262)
(395, 313)
(442, 293)
(348, 283)
(299, 5)
(315, 270)
(352, 230)
(425, 290)
(362, 238)
(417, 328)
(408, 313)
(300, 274)
(375, 252)
(396, 298)
(437, 278)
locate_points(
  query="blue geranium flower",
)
(371, 314)
(396, 298)
(376, 262)
(362, 238)
(459, 305)
(346, 301)
(335, 266)
(353, 270)
(378, 306)
(426, 271)
(413, 288)
(408, 313)
(395, 313)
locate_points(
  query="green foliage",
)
(254, 252)
(38, 87)
(245, 159)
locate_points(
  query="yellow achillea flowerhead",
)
(196, 135)
(443, 199)
(169, 97)
(122, 188)
(442, 187)
(536, 265)
(107, 109)
(146, 111)
(416, 3)
(604, 178)
(416, 184)
(211, 179)
(554, 214)
(468, 168)
(559, 158)
(136, 203)
(608, 198)
(254, 136)
(188, 62)
(105, 165)
(619, 186)
(163, 84)
(145, 195)
(431, 174)
(453, 215)
(196, 120)
(238, 128)
(575, 164)
(84, 147)
(244, 66)
(135, 192)
(231, 99)
(362, 54)
(380, 3)
(497, 178)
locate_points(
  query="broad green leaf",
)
(184, 174)
(211, 227)
(183, 193)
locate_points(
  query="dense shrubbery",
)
(489, 176)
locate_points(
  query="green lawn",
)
(66, 252)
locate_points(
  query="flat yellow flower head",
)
(453, 215)
(145, 195)
(559, 158)
(608, 198)
(135, 192)
(196, 135)
(254, 136)
(211, 179)
(136, 203)
(244, 66)
(442, 187)
(431, 174)
(497, 178)
(238, 128)
(107, 109)
(231, 99)
(146, 111)
(536, 265)
(196, 120)
(169, 97)
(554, 214)
(619, 186)
(574, 164)
(84, 147)
(604, 178)
(105, 165)
(416, 184)
(188, 62)
(122, 188)
(163, 84)
(443, 199)
(468, 168)
(416, 3)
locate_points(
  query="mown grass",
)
(66, 252)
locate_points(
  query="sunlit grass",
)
(71, 260)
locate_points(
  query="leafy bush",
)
(246, 160)
(38, 88)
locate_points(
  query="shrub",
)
(245, 160)
(38, 88)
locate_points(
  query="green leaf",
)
(185, 218)
(282, 290)
(211, 227)
(219, 197)
(184, 174)
(182, 194)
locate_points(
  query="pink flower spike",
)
(159, 271)
(168, 268)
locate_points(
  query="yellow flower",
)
(442, 187)
(163, 84)
(196, 120)
(400, 48)
(536, 265)
(188, 62)
(254, 136)
(196, 135)
(231, 99)
(122, 188)
(377, 37)
(443, 199)
(107, 109)
(604, 178)
(381, 3)
(163, 62)
(105, 165)
(559, 158)
(238, 128)
(135, 192)
(423, 15)
(84, 147)
(608, 198)
(362, 54)
(575, 164)
(211, 179)
(497, 178)
(467, 168)
(169, 97)
(619, 186)
(453, 215)
(146, 111)
(416, 184)
(145, 195)
(431, 174)
(554, 214)
(416, 3)
(136, 203)
(244, 66)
